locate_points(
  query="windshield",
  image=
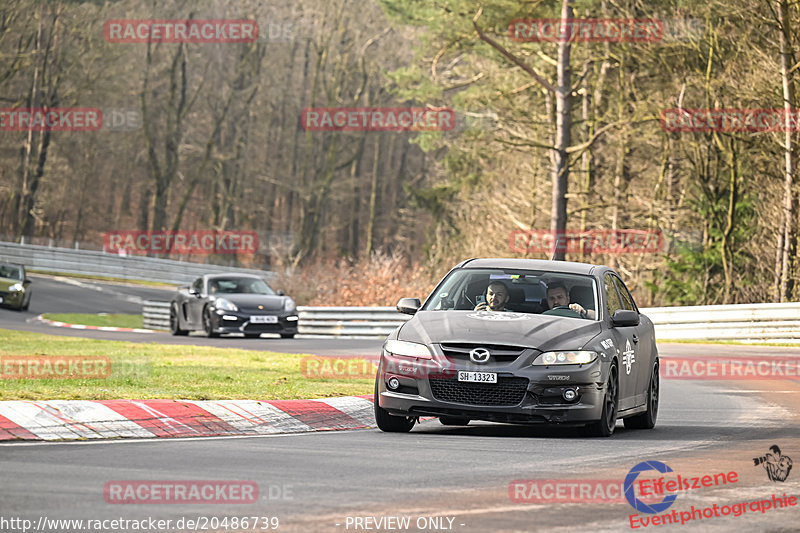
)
(12, 272)
(528, 291)
(238, 286)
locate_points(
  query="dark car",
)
(15, 287)
(528, 364)
(232, 303)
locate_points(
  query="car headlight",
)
(17, 287)
(407, 349)
(289, 305)
(577, 357)
(225, 305)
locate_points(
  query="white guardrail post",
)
(745, 323)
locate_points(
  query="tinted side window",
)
(627, 299)
(612, 298)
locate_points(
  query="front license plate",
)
(264, 319)
(477, 377)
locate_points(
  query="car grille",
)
(507, 391)
(500, 353)
(267, 310)
(263, 328)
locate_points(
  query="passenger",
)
(558, 296)
(496, 297)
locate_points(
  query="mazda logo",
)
(479, 355)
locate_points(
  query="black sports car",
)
(232, 303)
(587, 361)
(15, 287)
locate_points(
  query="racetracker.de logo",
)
(736, 368)
(54, 367)
(180, 31)
(377, 119)
(339, 367)
(730, 120)
(202, 242)
(566, 491)
(50, 119)
(626, 241)
(181, 492)
(586, 30)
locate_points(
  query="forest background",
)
(549, 135)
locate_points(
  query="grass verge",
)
(102, 319)
(109, 279)
(143, 371)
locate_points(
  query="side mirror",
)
(624, 317)
(192, 290)
(281, 293)
(26, 281)
(408, 306)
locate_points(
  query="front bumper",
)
(12, 299)
(242, 322)
(523, 394)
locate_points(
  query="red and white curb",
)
(55, 420)
(58, 324)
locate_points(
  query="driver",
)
(558, 296)
(496, 297)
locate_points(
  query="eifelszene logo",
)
(777, 466)
(630, 494)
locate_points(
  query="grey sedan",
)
(525, 342)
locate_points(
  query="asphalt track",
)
(326, 481)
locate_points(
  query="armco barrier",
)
(349, 321)
(156, 314)
(327, 321)
(768, 322)
(94, 263)
(745, 323)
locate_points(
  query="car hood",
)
(5, 283)
(252, 301)
(543, 332)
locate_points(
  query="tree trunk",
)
(44, 93)
(789, 204)
(560, 159)
(373, 197)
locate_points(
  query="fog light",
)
(570, 394)
(228, 317)
(291, 319)
(393, 383)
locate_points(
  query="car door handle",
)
(635, 338)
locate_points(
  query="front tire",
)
(208, 325)
(174, 322)
(608, 417)
(391, 423)
(647, 420)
